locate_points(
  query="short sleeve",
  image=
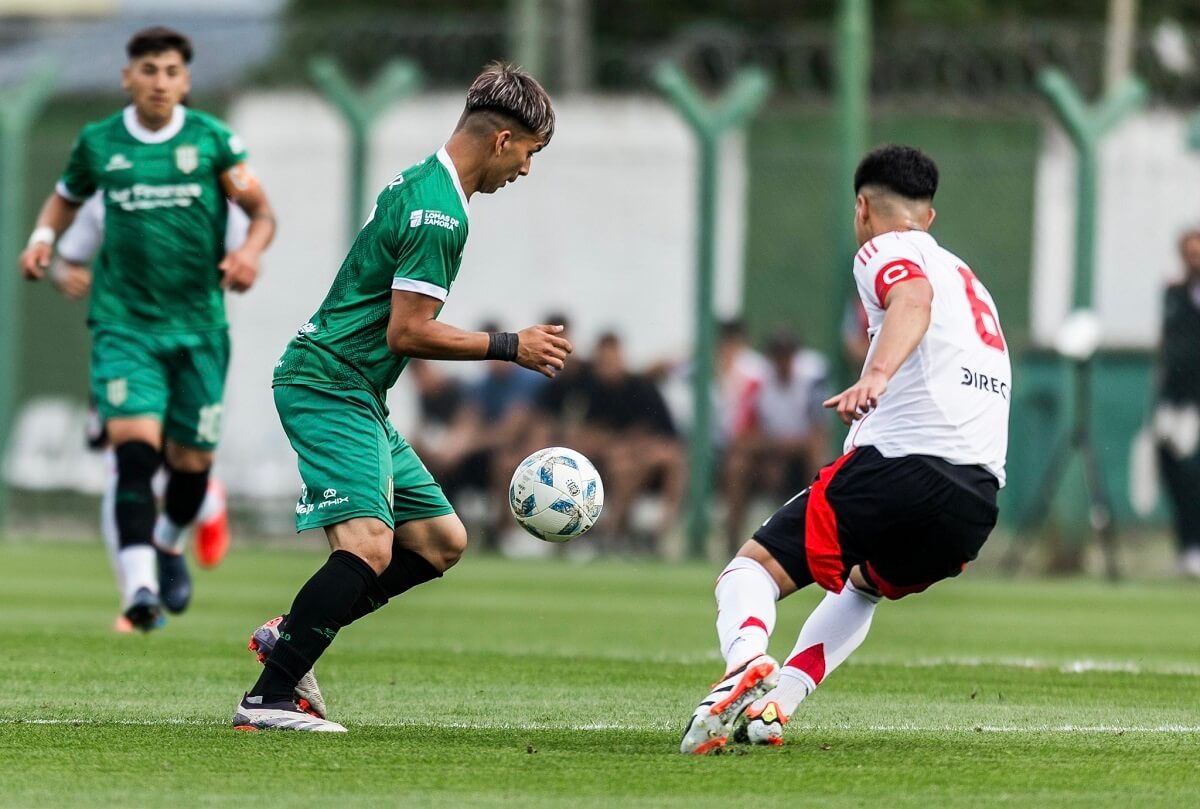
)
(881, 264)
(80, 242)
(229, 147)
(78, 181)
(429, 246)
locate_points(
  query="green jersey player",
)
(389, 525)
(160, 343)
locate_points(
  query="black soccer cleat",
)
(145, 610)
(174, 582)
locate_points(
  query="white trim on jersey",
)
(135, 128)
(422, 287)
(61, 189)
(444, 158)
(950, 398)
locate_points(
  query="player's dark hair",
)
(509, 91)
(904, 170)
(608, 339)
(159, 39)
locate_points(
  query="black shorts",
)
(908, 522)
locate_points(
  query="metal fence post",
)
(19, 106)
(1086, 125)
(853, 91)
(708, 121)
(398, 80)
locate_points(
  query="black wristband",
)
(502, 345)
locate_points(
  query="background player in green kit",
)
(389, 525)
(160, 342)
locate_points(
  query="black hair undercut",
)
(904, 170)
(159, 39)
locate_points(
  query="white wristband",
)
(42, 235)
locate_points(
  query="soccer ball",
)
(556, 494)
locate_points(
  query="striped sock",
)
(746, 596)
(837, 627)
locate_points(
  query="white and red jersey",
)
(950, 398)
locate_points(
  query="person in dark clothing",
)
(627, 430)
(1177, 413)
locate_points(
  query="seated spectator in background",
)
(562, 401)
(786, 441)
(1177, 414)
(439, 399)
(627, 431)
(489, 422)
(740, 372)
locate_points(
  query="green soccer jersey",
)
(164, 218)
(412, 241)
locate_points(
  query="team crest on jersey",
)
(117, 391)
(187, 159)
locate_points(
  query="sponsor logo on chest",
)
(118, 162)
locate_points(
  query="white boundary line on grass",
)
(1033, 663)
(601, 726)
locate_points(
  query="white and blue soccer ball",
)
(556, 494)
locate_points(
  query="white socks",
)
(837, 627)
(168, 535)
(746, 596)
(138, 569)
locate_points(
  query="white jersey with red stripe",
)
(950, 398)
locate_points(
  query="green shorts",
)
(352, 461)
(176, 378)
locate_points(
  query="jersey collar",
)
(154, 135)
(444, 158)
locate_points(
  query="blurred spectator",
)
(627, 430)
(740, 373)
(439, 399)
(786, 442)
(476, 451)
(1177, 414)
(562, 403)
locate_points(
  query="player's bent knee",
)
(188, 459)
(368, 539)
(451, 541)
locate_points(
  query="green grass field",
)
(546, 684)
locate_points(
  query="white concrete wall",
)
(1148, 194)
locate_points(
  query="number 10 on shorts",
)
(208, 429)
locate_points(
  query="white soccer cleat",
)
(713, 718)
(308, 693)
(253, 714)
(762, 724)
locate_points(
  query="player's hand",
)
(73, 281)
(860, 398)
(240, 270)
(541, 349)
(35, 260)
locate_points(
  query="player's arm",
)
(56, 216)
(907, 307)
(240, 266)
(413, 331)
